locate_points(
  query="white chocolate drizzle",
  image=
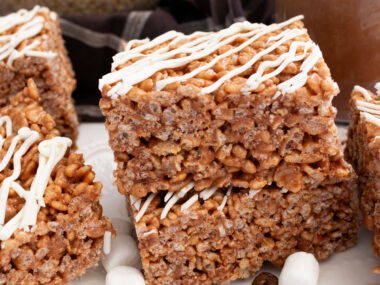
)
(207, 193)
(199, 45)
(153, 231)
(168, 196)
(135, 202)
(371, 118)
(224, 201)
(145, 206)
(369, 111)
(363, 91)
(253, 193)
(107, 242)
(50, 153)
(173, 200)
(377, 87)
(189, 202)
(27, 25)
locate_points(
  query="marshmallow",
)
(300, 268)
(121, 275)
(123, 252)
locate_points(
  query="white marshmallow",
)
(300, 268)
(121, 275)
(123, 252)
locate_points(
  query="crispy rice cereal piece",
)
(363, 151)
(68, 235)
(32, 47)
(217, 126)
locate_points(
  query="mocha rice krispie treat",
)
(363, 151)
(31, 46)
(227, 151)
(52, 226)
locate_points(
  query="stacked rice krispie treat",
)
(31, 46)
(227, 151)
(363, 151)
(52, 228)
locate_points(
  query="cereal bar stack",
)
(227, 151)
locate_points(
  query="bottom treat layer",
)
(203, 245)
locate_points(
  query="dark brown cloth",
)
(91, 53)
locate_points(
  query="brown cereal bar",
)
(200, 124)
(31, 46)
(67, 237)
(206, 245)
(165, 138)
(363, 151)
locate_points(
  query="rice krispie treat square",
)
(363, 151)
(31, 46)
(52, 228)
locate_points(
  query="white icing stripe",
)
(221, 206)
(207, 43)
(377, 87)
(27, 216)
(253, 193)
(153, 231)
(299, 80)
(363, 91)
(135, 202)
(289, 35)
(162, 83)
(156, 61)
(145, 206)
(29, 138)
(189, 202)
(27, 24)
(173, 200)
(169, 205)
(207, 193)
(369, 110)
(368, 105)
(371, 119)
(282, 61)
(168, 196)
(107, 242)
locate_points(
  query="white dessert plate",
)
(352, 267)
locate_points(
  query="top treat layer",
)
(367, 107)
(247, 106)
(243, 50)
(20, 32)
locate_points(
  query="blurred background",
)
(348, 32)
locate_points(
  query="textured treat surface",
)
(36, 50)
(68, 235)
(204, 245)
(363, 151)
(227, 151)
(165, 138)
